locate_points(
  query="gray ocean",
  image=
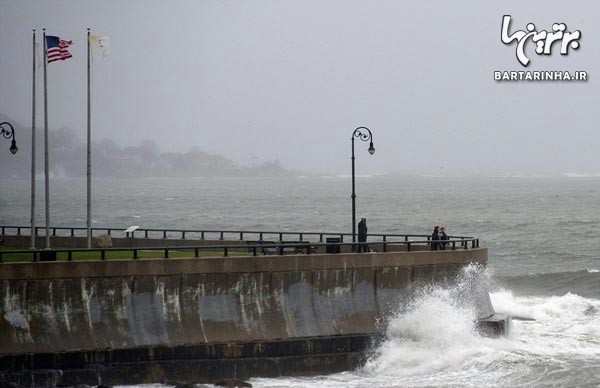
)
(543, 236)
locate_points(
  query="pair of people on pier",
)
(439, 238)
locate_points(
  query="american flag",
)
(57, 48)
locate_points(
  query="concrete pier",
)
(126, 322)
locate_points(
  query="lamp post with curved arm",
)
(364, 134)
(9, 134)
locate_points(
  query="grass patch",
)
(125, 254)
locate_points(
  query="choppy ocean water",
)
(542, 234)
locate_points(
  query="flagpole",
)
(33, 230)
(46, 163)
(89, 149)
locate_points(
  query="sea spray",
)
(567, 325)
(437, 329)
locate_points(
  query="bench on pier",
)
(273, 250)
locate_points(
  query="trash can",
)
(330, 248)
(48, 256)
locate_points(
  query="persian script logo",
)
(543, 40)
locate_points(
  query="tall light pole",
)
(364, 136)
(9, 134)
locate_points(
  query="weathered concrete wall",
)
(66, 306)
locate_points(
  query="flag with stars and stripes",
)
(57, 48)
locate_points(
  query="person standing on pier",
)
(435, 238)
(444, 238)
(362, 236)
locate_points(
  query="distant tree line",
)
(68, 158)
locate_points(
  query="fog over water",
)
(292, 79)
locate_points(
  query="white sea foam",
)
(564, 326)
(437, 333)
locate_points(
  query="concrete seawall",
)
(78, 307)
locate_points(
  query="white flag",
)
(99, 46)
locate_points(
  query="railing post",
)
(384, 245)
(195, 252)
(1, 251)
(166, 253)
(341, 238)
(225, 252)
(408, 247)
(54, 231)
(406, 238)
(453, 245)
(3, 231)
(221, 238)
(69, 256)
(164, 234)
(72, 232)
(201, 235)
(253, 251)
(103, 255)
(321, 237)
(280, 236)
(260, 236)
(300, 235)
(135, 254)
(108, 231)
(18, 231)
(241, 236)
(145, 233)
(183, 234)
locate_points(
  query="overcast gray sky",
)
(292, 79)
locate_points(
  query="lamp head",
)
(13, 147)
(371, 148)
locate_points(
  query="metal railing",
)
(253, 249)
(206, 234)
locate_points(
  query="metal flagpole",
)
(33, 230)
(89, 149)
(46, 164)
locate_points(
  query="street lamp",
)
(364, 136)
(9, 134)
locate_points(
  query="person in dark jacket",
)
(435, 239)
(444, 238)
(362, 236)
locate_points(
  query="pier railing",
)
(282, 248)
(209, 234)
